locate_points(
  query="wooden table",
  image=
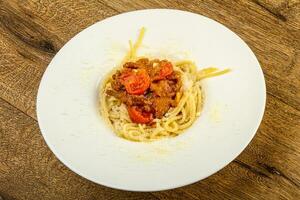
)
(31, 32)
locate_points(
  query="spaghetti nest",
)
(175, 120)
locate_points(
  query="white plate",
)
(70, 123)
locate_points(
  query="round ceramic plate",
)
(67, 102)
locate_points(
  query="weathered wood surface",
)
(31, 32)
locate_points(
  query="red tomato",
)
(137, 83)
(138, 116)
(166, 68)
(126, 74)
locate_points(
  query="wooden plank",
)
(285, 10)
(61, 17)
(31, 32)
(20, 74)
(29, 170)
(29, 40)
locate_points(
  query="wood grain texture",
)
(31, 32)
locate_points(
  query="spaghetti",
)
(175, 120)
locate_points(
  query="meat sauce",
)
(147, 87)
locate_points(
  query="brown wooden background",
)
(31, 32)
